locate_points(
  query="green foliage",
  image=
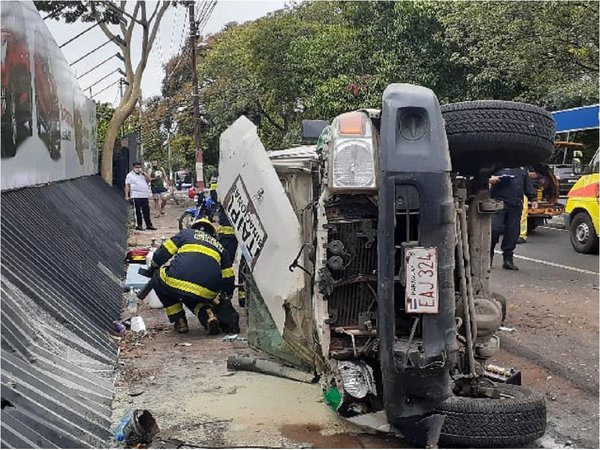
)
(73, 11)
(318, 59)
(104, 112)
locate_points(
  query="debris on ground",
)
(239, 362)
(233, 338)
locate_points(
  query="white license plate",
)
(571, 181)
(421, 280)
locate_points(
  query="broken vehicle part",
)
(238, 362)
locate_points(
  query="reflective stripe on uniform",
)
(226, 230)
(174, 309)
(186, 286)
(227, 273)
(241, 294)
(211, 314)
(199, 248)
(170, 246)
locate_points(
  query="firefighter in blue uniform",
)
(510, 186)
(227, 238)
(199, 276)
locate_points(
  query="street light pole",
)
(193, 38)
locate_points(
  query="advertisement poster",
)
(48, 124)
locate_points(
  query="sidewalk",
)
(182, 379)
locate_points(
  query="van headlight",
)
(353, 156)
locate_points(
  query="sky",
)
(172, 35)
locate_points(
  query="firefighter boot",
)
(181, 325)
(212, 324)
(508, 263)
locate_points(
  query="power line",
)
(79, 35)
(98, 65)
(107, 87)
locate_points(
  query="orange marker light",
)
(352, 123)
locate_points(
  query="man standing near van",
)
(136, 190)
(510, 186)
(159, 187)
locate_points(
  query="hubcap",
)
(582, 232)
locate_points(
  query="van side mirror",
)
(576, 165)
(577, 154)
(311, 129)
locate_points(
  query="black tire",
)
(185, 221)
(583, 234)
(517, 418)
(490, 134)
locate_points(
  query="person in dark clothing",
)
(510, 186)
(199, 276)
(227, 237)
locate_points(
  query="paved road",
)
(553, 311)
(552, 246)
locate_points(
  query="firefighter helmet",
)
(205, 224)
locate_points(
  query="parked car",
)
(583, 211)
(368, 261)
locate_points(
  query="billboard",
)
(48, 124)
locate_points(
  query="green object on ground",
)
(333, 398)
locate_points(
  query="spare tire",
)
(493, 134)
(516, 418)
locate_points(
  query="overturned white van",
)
(368, 261)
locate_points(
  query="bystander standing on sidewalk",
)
(159, 187)
(136, 191)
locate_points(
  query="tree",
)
(540, 52)
(106, 13)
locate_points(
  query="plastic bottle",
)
(132, 302)
(120, 430)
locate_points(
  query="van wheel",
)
(516, 418)
(490, 134)
(583, 235)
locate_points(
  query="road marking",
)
(554, 228)
(548, 263)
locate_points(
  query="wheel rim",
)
(582, 232)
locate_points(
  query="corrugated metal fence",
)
(62, 248)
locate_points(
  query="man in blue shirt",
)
(509, 185)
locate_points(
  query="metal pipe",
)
(462, 215)
(463, 292)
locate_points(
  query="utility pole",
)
(196, 95)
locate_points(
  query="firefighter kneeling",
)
(199, 276)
